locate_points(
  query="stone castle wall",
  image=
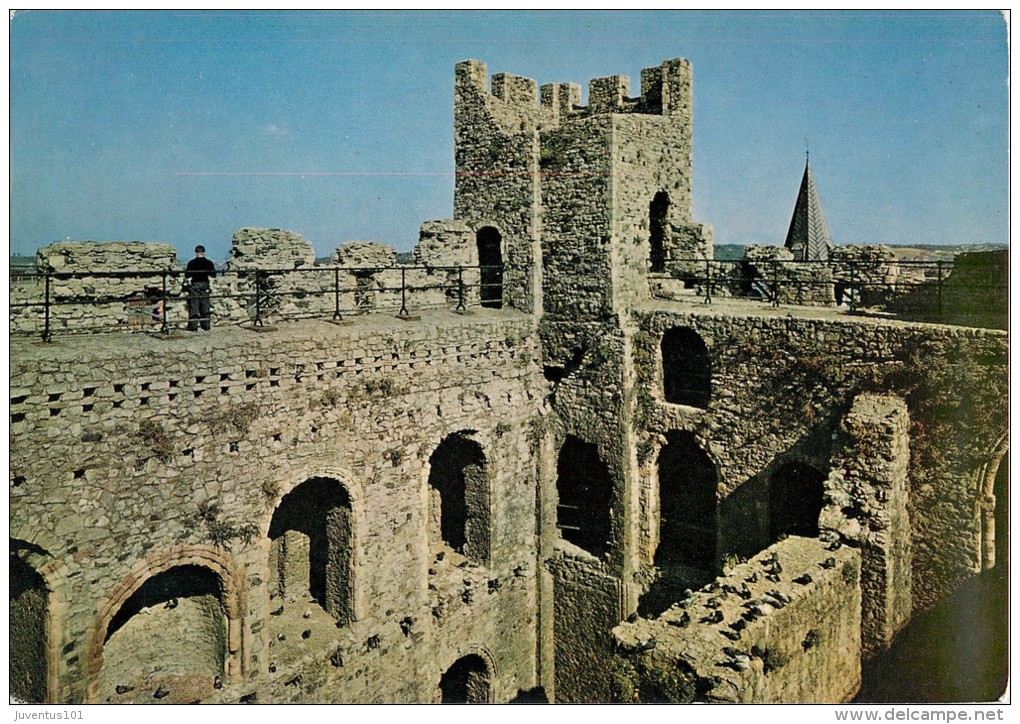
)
(780, 388)
(167, 448)
(102, 286)
(173, 467)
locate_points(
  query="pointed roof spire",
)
(808, 237)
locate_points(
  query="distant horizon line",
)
(895, 245)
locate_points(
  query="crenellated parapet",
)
(665, 90)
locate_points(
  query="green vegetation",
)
(237, 419)
(156, 437)
(222, 533)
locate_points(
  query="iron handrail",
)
(168, 285)
(851, 280)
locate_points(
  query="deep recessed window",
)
(312, 547)
(459, 496)
(686, 368)
(585, 496)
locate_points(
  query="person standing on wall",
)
(197, 275)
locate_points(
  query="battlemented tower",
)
(586, 199)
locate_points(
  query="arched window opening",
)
(585, 496)
(490, 261)
(686, 368)
(658, 210)
(466, 682)
(169, 637)
(459, 496)
(796, 496)
(311, 550)
(29, 603)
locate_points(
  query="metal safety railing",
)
(49, 302)
(935, 289)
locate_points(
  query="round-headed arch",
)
(203, 556)
(686, 368)
(988, 474)
(36, 573)
(352, 497)
(470, 677)
(489, 248)
(459, 495)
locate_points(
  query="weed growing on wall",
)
(220, 532)
(158, 439)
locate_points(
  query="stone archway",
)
(993, 481)
(469, 680)
(459, 514)
(489, 244)
(189, 558)
(311, 547)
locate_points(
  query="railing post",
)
(403, 293)
(852, 289)
(46, 309)
(258, 297)
(938, 266)
(460, 289)
(165, 327)
(708, 281)
(336, 293)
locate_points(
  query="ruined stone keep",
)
(574, 491)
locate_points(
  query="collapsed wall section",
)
(867, 495)
(270, 275)
(746, 638)
(119, 280)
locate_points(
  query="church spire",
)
(808, 237)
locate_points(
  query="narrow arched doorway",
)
(490, 261)
(466, 682)
(658, 211)
(685, 556)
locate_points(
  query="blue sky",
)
(122, 123)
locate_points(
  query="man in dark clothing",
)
(196, 278)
